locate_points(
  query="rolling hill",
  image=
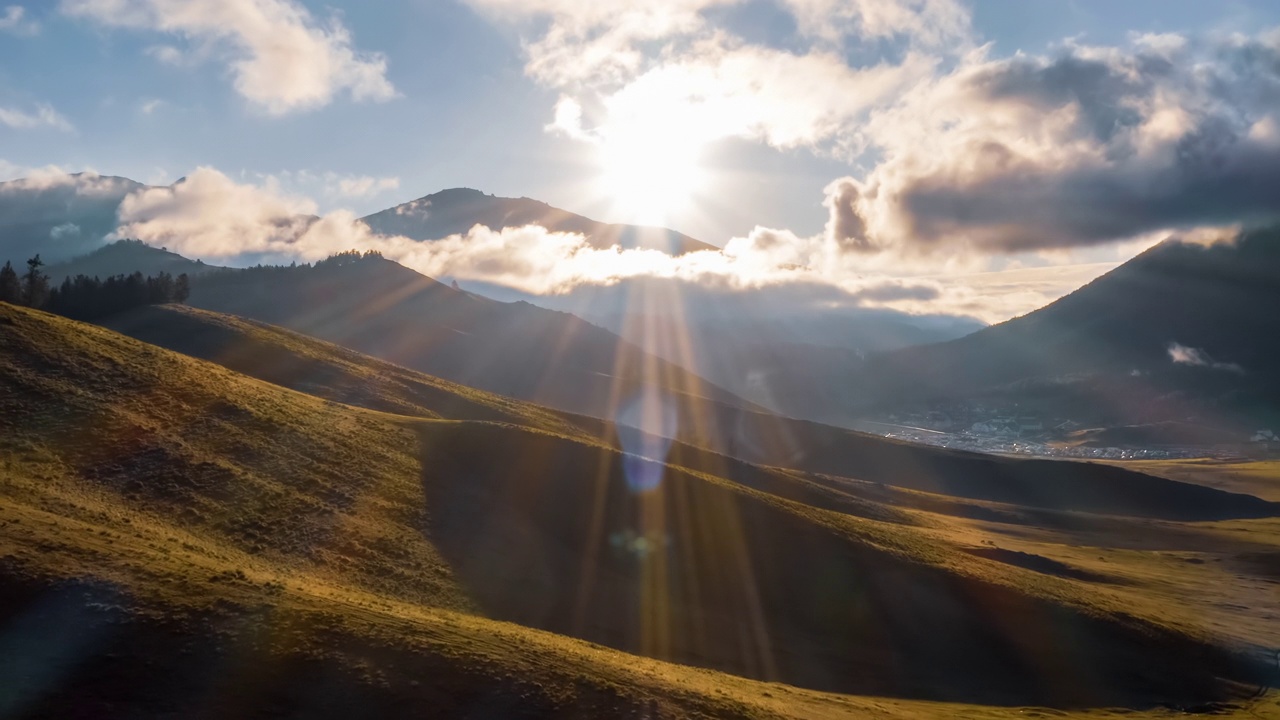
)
(280, 551)
(457, 210)
(748, 439)
(1182, 331)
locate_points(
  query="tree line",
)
(89, 298)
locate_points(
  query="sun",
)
(650, 172)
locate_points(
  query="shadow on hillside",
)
(1036, 483)
(551, 534)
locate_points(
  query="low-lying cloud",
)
(210, 216)
(1183, 355)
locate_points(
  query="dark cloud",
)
(1092, 147)
(844, 224)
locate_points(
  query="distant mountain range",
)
(66, 216)
(1183, 331)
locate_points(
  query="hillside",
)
(457, 210)
(125, 257)
(349, 547)
(303, 363)
(516, 349)
(1106, 353)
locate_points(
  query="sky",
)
(938, 141)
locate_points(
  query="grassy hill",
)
(712, 438)
(275, 550)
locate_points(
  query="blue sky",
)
(817, 131)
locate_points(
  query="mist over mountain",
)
(457, 210)
(59, 216)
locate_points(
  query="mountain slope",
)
(309, 522)
(1110, 349)
(515, 349)
(457, 210)
(743, 440)
(59, 217)
(125, 257)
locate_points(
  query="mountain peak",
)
(456, 210)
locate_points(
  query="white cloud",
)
(209, 215)
(281, 58)
(623, 66)
(360, 186)
(51, 177)
(13, 19)
(1183, 355)
(42, 116)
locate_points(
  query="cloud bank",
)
(281, 58)
(210, 216)
(953, 152)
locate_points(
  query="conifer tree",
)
(35, 284)
(10, 286)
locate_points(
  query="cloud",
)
(52, 177)
(64, 230)
(626, 68)
(42, 116)
(954, 153)
(360, 186)
(1183, 355)
(281, 58)
(1093, 146)
(13, 19)
(209, 215)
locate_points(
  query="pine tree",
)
(35, 283)
(181, 288)
(10, 286)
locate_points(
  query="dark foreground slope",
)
(294, 529)
(749, 438)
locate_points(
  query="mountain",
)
(125, 257)
(59, 216)
(1182, 331)
(457, 210)
(516, 349)
(798, 366)
(276, 551)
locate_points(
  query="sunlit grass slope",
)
(330, 371)
(711, 435)
(330, 550)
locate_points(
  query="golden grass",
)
(200, 493)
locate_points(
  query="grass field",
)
(223, 545)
